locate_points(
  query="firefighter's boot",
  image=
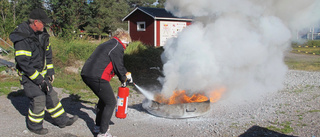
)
(41, 131)
(70, 121)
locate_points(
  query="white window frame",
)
(139, 26)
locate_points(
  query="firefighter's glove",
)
(129, 77)
(51, 78)
(44, 86)
(124, 84)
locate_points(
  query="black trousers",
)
(40, 100)
(107, 101)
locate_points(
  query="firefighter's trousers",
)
(40, 100)
(107, 101)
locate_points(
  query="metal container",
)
(185, 110)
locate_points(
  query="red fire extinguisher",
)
(122, 102)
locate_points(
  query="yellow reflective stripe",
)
(53, 109)
(48, 47)
(58, 113)
(23, 52)
(50, 66)
(37, 115)
(35, 75)
(43, 73)
(36, 120)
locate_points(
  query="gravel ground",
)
(292, 111)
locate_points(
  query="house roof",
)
(156, 13)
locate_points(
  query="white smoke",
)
(236, 44)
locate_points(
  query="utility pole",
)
(312, 32)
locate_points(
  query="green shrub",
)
(67, 52)
(135, 48)
(313, 43)
(309, 43)
(140, 58)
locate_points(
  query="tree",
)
(4, 13)
(13, 12)
(106, 16)
(22, 8)
(67, 15)
(141, 3)
(70, 16)
(160, 3)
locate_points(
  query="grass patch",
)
(300, 117)
(234, 125)
(309, 86)
(307, 50)
(3, 68)
(6, 84)
(298, 91)
(307, 65)
(286, 128)
(313, 111)
(310, 63)
(282, 112)
(301, 124)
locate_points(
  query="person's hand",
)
(44, 86)
(124, 84)
(51, 78)
(129, 78)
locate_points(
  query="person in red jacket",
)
(105, 62)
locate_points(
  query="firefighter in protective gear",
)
(105, 62)
(33, 56)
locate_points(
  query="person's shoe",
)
(107, 134)
(96, 129)
(41, 131)
(70, 121)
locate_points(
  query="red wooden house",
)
(153, 26)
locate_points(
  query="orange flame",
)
(216, 94)
(180, 97)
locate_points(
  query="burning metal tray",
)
(185, 110)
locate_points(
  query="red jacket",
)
(106, 61)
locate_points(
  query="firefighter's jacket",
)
(33, 53)
(106, 61)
